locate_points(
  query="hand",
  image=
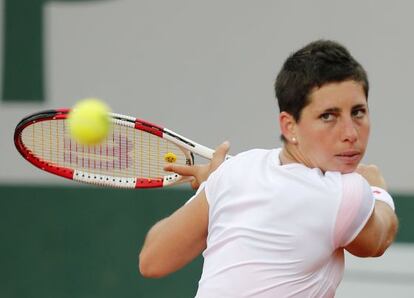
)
(200, 173)
(372, 174)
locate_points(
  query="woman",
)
(275, 223)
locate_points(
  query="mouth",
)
(349, 157)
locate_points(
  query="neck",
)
(291, 154)
(286, 157)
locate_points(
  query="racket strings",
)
(126, 152)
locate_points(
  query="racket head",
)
(132, 156)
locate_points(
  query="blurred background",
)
(206, 70)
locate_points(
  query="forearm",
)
(381, 228)
(176, 240)
(153, 250)
(153, 239)
(389, 226)
(378, 233)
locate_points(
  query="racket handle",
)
(206, 152)
(188, 144)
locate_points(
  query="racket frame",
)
(186, 145)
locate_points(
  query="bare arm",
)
(381, 228)
(176, 240)
(378, 233)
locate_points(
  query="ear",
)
(287, 126)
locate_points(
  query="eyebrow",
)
(358, 106)
(337, 110)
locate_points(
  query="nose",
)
(349, 131)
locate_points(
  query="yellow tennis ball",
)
(89, 121)
(170, 157)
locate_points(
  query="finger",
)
(181, 169)
(221, 150)
(360, 167)
(195, 184)
(220, 154)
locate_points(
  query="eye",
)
(359, 113)
(327, 117)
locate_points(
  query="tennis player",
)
(275, 223)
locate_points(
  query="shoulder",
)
(237, 169)
(252, 156)
(354, 182)
(247, 162)
(346, 181)
(256, 153)
(355, 206)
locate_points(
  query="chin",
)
(343, 168)
(347, 171)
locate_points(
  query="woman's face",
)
(333, 130)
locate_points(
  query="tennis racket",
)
(132, 155)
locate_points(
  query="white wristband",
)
(382, 195)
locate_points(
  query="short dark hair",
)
(316, 64)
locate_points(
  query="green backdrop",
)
(83, 242)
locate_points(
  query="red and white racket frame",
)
(188, 147)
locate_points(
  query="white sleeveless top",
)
(278, 230)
